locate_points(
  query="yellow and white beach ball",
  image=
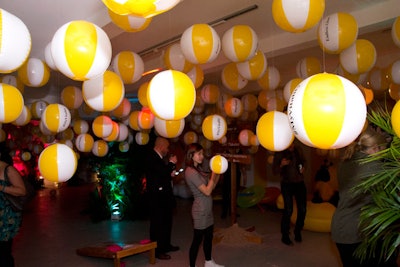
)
(80, 126)
(395, 118)
(142, 94)
(175, 60)
(218, 164)
(129, 22)
(308, 66)
(146, 9)
(297, 15)
(396, 31)
(273, 131)
(145, 119)
(102, 126)
(394, 72)
(200, 44)
(86, 58)
(71, 97)
(239, 43)
(84, 142)
(245, 136)
(209, 93)
(56, 118)
(57, 163)
(48, 57)
(214, 127)
(37, 108)
(128, 65)
(327, 111)
(249, 102)
(34, 73)
(233, 107)
(123, 132)
(123, 109)
(254, 68)
(169, 128)
(133, 120)
(114, 132)
(360, 57)
(337, 32)
(67, 134)
(24, 118)
(196, 74)
(171, 95)
(271, 79)
(103, 93)
(11, 103)
(123, 146)
(190, 137)
(100, 148)
(142, 138)
(14, 81)
(15, 42)
(231, 77)
(289, 88)
(378, 79)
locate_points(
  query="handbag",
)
(18, 203)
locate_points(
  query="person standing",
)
(201, 184)
(289, 164)
(161, 198)
(10, 220)
(346, 219)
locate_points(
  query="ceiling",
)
(282, 49)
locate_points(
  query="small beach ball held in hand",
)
(57, 163)
(326, 111)
(218, 164)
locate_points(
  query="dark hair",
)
(191, 149)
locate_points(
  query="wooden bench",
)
(127, 250)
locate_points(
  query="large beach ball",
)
(146, 8)
(196, 74)
(239, 43)
(273, 131)
(254, 68)
(24, 118)
(396, 31)
(326, 111)
(200, 44)
(175, 60)
(218, 164)
(81, 50)
(289, 88)
(231, 77)
(169, 128)
(105, 92)
(14, 81)
(100, 148)
(11, 103)
(171, 95)
(337, 32)
(128, 65)
(190, 137)
(84, 142)
(360, 57)
(37, 108)
(102, 126)
(34, 73)
(15, 42)
(56, 118)
(71, 97)
(210, 93)
(308, 66)
(297, 15)
(142, 94)
(57, 163)
(80, 126)
(129, 22)
(214, 127)
(233, 107)
(271, 79)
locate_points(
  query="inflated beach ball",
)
(114, 132)
(105, 92)
(84, 142)
(169, 128)
(214, 127)
(175, 60)
(196, 74)
(146, 9)
(11, 103)
(102, 126)
(15, 42)
(57, 163)
(249, 102)
(200, 44)
(360, 57)
(80, 126)
(81, 50)
(34, 73)
(24, 118)
(297, 15)
(218, 164)
(233, 107)
(394, 91)
(271, 79)
(273, 131)
(337, 32)
(231, 77)
(308, 66)
(142, 94)
(129, 22)
(378, 79)
(67, 134)
(128, 65)
(123, 109)
(123, 147)
(71, 97)
(394, 72)
(171, 95)
(326, 111)
(145, 119)
(245, 136)
(209, 93)
(289, 88)
(100, 148)
(395, 118)
(14, 81)
(239, 43)
(396, 31)
(48, 57)
(123, 132)
(254, 68)
(56, 118)
(133, 120)
(190, 137)
(142, 138)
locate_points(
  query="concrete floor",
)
(54, 227)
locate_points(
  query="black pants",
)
(6, 258)
(198, 236)
(299, 192)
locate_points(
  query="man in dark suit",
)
(161, 198)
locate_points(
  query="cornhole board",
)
(102, 251)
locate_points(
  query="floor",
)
(54, 227)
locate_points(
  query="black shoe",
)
(286, 240)
(297, 236)
(172, 248)
(163, 256)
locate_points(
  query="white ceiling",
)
(283, 49)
